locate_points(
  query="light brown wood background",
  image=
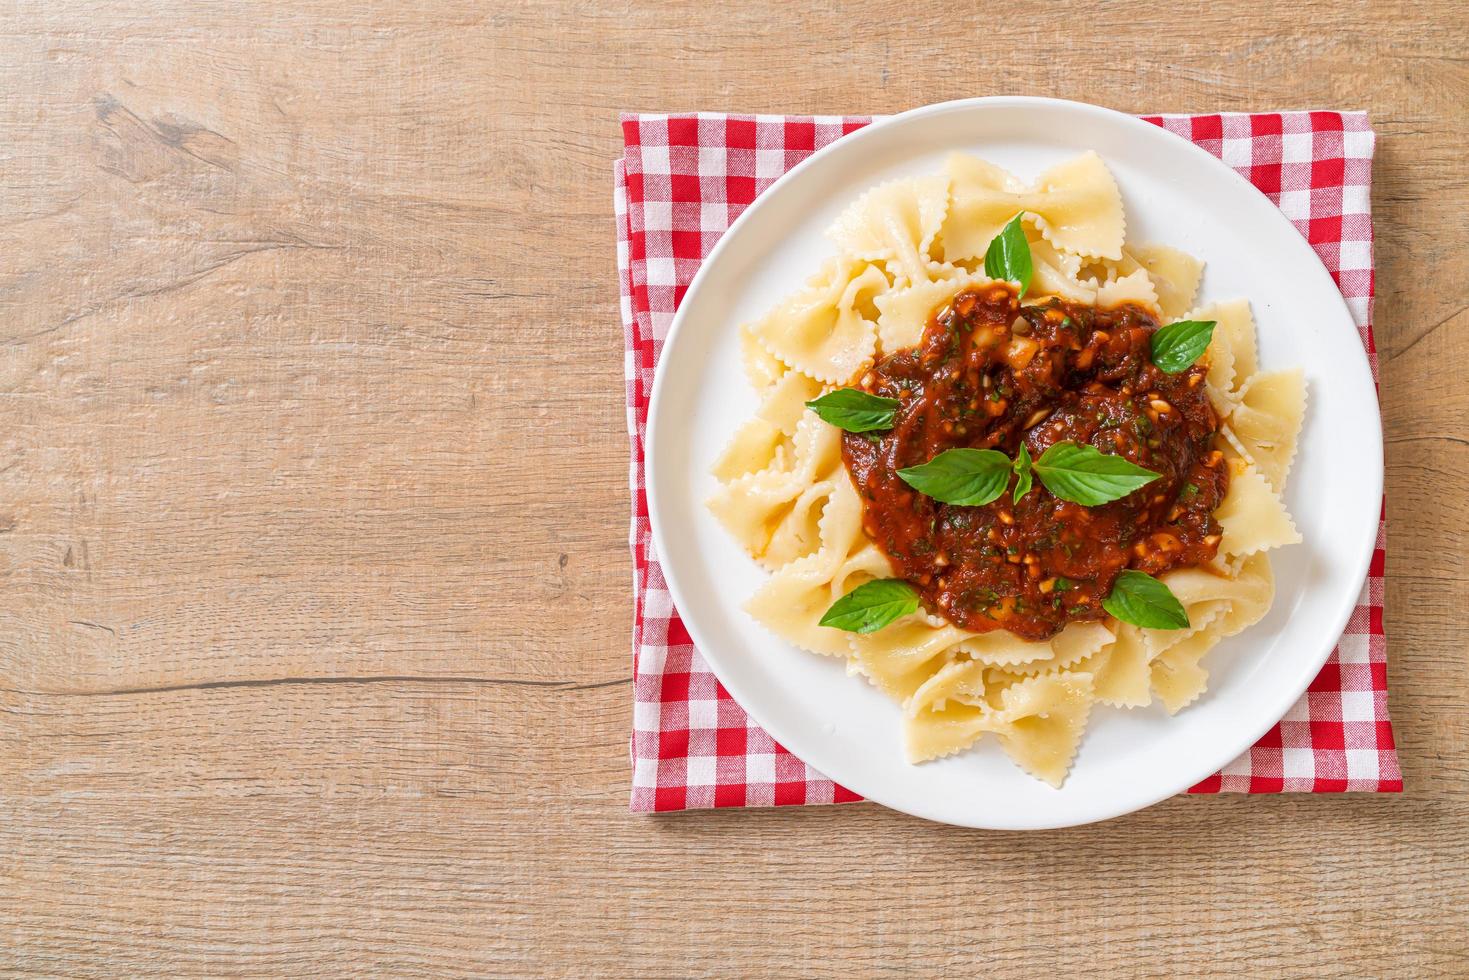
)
(314, 585)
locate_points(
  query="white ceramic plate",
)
(1175, 193)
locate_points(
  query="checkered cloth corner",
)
(683, 179)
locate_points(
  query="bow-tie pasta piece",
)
(1175, 275)
(1231, 350)
(1136, 288)
(1043, 720)
(1200, 615)
(770, 435)
(1250, 600)
(762, 368)
(1067, 648)
(983, 200)
(792, 601)
(1177, 675)
(903, 313)
(947, 713)
(1266, 421)
(1120, 672)
(895, 223)
(1252, 516)
(962, 679)
(1079, 208)
(1218, 607)
(1076, 205)
(824, 330)
(1053, 273)
(1249, 590)
(757, 445)
(899, 658)
(1001, 648)
(1056, 273)
(773, 512)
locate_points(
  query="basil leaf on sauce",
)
(854, 410)
(1008, 256)
(870, 607)
(968, 477)
(1142, 600)
(1082, 475)
(1177, 346)
(1022, 473)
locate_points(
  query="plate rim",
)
(847, 144)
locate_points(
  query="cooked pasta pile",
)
(905, 250)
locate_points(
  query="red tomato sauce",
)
(990, 373)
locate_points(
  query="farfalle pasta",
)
(1027, 393)
(822, 331)
(1075, 206)
(895, 223)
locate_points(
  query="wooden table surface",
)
(314, 580)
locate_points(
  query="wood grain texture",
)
(314, 591)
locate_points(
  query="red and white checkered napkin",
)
(682, 181)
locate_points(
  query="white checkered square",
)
(1363, 766)
(1358, 706)
(1238, 153)
(656, 160)
(712, 161)
(704, 713)
(713, 217)
(1356, 255)
(701, 770)
(1298, 763)
(1296, 147)
(769, 163)
(760, 768)
(1358, 144)
(658, 216)
(662, 272)
(645, 715)
(1352, 648)
(1295, 204)
(645, 772)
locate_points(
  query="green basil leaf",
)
(1008, 256)
(854, 410)
(1082, 475)
(1142, 600)
(870, 607)
(1177, 346)
(968, 477)
(1022, 473)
